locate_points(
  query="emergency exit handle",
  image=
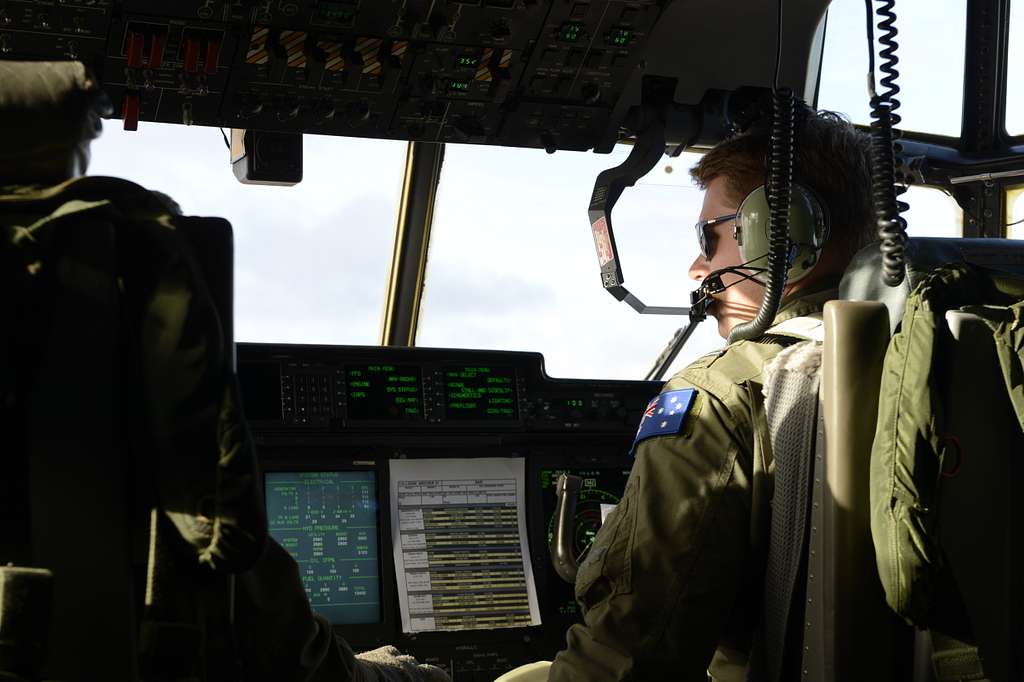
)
(567, 493)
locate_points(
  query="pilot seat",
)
(835, 624)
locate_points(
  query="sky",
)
(512, 263)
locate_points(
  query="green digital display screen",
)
(618, 36)
(467, 60)
(340, 13)
(457, 85)
(385, 392)
(571, 31)
(480, 392)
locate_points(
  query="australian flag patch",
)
(664, 415)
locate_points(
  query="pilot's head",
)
(49, 113)
(831, 161)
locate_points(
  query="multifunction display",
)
(327, 521)
(480, 392)
(382, 391)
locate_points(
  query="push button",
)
(579, 10)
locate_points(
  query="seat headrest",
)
(49, 112)
(862, 280)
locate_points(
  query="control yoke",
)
(567, 493)
(608, 187)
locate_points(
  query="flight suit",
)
(676, 571)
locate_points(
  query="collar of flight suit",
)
(807, 302)
(721, 371)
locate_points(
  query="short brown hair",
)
(832, 160)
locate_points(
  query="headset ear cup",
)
(752, 226)
(808, 230)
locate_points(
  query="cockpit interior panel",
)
(389, 471)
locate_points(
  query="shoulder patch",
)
(664, 415)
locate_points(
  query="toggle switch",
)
(136, 41)
(212, 56)
(191, 54)
(130, 111)
(157, 43)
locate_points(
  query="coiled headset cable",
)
(885, 146)
(779, 192)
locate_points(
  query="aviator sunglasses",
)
(706, 238)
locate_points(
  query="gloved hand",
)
(388, 664)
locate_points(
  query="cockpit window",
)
(512, 262)
(1015, 75)
(1015, 213)
(932, 38)
(311, 261)
(932, 213)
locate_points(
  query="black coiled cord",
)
(885, 148)
(779, 191)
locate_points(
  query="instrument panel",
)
(526, 73)
(415, 488)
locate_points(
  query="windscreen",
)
(1015, 72)
(327, 521)
(512, 263)
(311, 261)
(932, 43)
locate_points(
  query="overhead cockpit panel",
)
(556, 74)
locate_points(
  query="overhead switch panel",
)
(527, 73)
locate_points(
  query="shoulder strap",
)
(791, 409)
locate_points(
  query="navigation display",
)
(390, 392)
(327, 521)
(480, 392)
(601, 490)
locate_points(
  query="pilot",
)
(671, 588)
(50, 112)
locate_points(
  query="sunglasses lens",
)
(703, 241)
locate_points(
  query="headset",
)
(809, 228)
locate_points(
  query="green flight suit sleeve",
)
(660, 584)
